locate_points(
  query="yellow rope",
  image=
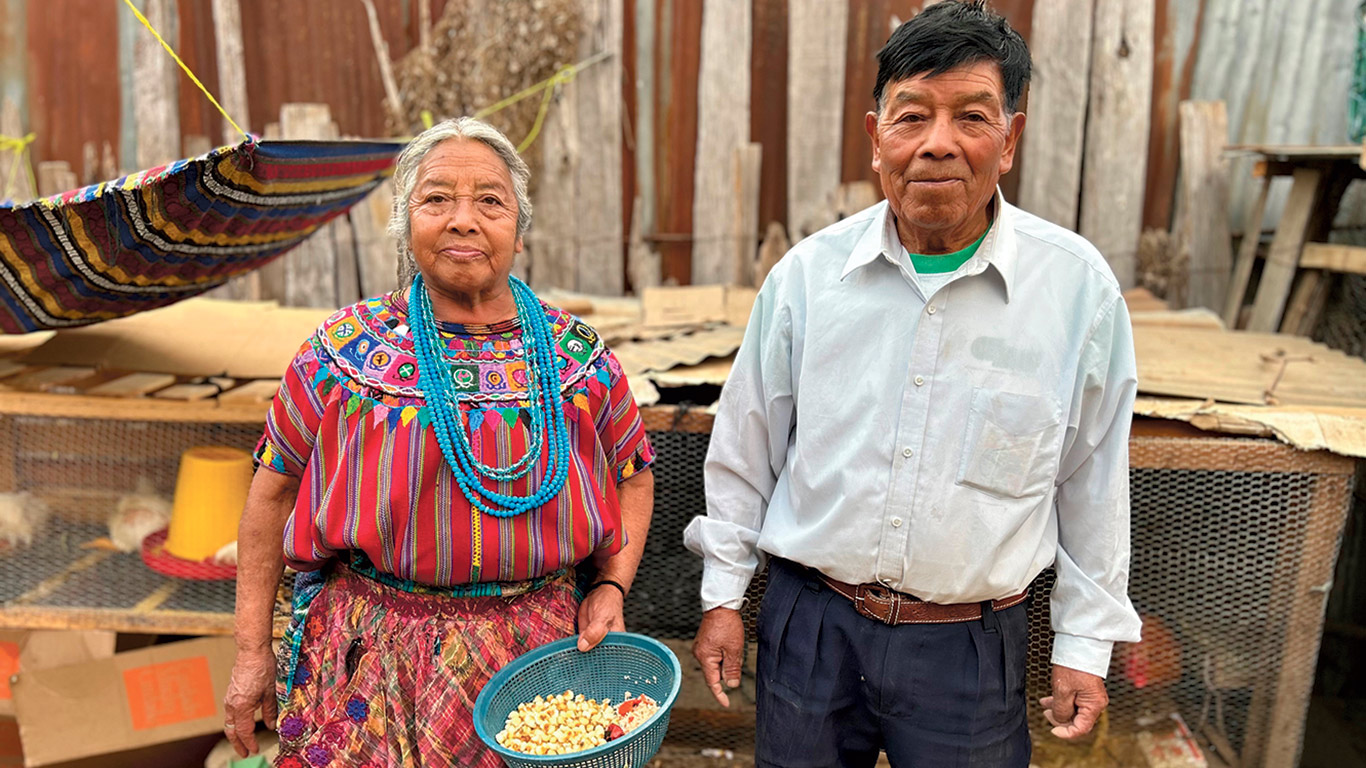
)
(19, 146)
(562, 76)
(171, 51)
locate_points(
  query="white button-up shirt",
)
(948, 436)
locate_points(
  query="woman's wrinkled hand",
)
(600, 613)
(251, 687)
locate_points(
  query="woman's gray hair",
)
(405, 179)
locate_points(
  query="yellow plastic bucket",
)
(210, 491)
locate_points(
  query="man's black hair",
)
(951, 34)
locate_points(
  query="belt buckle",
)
(890, 596)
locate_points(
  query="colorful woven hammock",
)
(169, 233)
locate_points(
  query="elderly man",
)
(931, 405)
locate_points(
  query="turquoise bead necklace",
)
(451, 425)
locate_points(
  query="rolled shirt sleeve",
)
(748, 449)
(1090, 606)
(631, 451)
(294, 418)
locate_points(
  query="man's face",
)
(940, 145)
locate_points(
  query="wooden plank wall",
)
(68, 84)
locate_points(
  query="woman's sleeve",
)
(294, 418)
(631, 449)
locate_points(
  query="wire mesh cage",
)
(69, 488)
(1233, 544)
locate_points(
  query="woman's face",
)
(463, 216)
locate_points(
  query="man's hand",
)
(251, 687)
(1077, 701)
(720, 646)
(600, 613)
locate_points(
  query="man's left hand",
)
(599, 613)
(1077, 701)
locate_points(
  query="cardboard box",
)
(39, 649)
(11, 751)
(136, 699)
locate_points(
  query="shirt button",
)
(896, 522)
(931, 309)
(920, 381)
(907, 452)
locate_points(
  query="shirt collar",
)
(998, 250)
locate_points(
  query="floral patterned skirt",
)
(385, 676)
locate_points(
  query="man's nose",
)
(941, 140)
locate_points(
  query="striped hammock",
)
(169, 233)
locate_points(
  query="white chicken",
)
(22, 517)
(138, 515)
(227, 554)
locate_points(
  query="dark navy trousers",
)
(835, 687)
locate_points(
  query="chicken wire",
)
(67, 477)
(1227, 568)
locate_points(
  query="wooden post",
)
(1247, 255)
(14, 166)
(1116, 152)
(551, 252)
(55, 177)
(1304, 573)
(597, 92)
(815, 104)
(642, 261)
(310, 270)
(196, 145)
(748, 166)
(156, 106)
(376, 254)
(722, 129)
(90, 164)
(1284, 257)
(1204, 186)
(232, 73)
(1050, 181)
(775, 245)
(424, 23)
(577, 243)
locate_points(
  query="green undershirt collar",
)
(938, 264)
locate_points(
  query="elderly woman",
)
(437, 464)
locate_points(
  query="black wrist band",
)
(610, 583)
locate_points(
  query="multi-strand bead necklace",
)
(451, 425)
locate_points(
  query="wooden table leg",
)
(1312, 285)
(1304, 573)
(1284, 258)
(1247, 256)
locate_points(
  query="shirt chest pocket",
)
(1010, 448)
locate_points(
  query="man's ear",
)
(1013, 133)
(870, 125)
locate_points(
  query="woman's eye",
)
(491, 200)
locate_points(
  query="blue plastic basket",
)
(622, 662)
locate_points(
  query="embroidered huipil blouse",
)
(350, 422)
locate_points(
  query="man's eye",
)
(976, 117)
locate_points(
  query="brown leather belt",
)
(892, 608)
